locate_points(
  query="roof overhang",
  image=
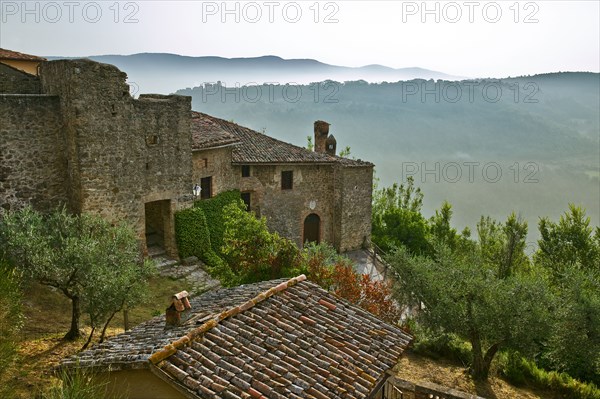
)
(215, 147)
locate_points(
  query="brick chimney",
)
(321, 133)
(330, 145)
(178, 310)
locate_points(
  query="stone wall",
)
(122, 152)
(32, 160)
(216, 162)
(137, 384)
(286, 210)
(14, 81)
(340, 196)
(356, 190)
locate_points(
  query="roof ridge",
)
(172, 348)
(16, 55)
(230, 124)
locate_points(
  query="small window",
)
(287, 180)
(206, 187)
(246, 199)
(245, 170)
(152, 140)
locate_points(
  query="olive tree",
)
(92, 262)
(462, 295)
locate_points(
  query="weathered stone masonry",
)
(13, 80)
(32, 157)
(97, 148)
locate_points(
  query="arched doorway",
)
(312, 229)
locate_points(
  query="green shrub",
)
(519, 370)
(252, 252)
(509, 364)
(192, 233)
(213, 211)
(220, 269)
(438, 345)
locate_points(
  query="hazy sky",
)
(465, 38)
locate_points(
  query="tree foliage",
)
(464, 295)
(570, 251)
(252, 252)
(336, 273)
(397, 218)
(502, 246)
(574, 344)
(442, 232)
(93, 263)
(569, 243)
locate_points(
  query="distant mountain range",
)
(167, 73)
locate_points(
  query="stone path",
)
(191, 271)
(368, 263)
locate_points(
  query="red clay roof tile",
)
(15, 55)
(269, 340)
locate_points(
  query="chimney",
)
(330, 145)
(321, 133)
(179, 309)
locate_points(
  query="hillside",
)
(528, 144)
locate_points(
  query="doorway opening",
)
(312, 229)
(157, 215)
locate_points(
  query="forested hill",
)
(542, 132)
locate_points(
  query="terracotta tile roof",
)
(292, 340)
(206, 133)
(257, 148)
(132, 349)
(15, 55)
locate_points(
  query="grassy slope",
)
(417, 368)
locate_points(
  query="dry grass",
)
(47, 318)
(420, 369)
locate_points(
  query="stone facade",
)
(286, 210)
(215, 163)
(96, 148)
(32, 157)
(75, 136)
(15, 81)
(356, 189)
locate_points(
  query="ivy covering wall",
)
(213, 211)
(199, 230)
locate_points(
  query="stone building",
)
(23, 62)
(304, 195)
(73, 135)
(18, 72)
